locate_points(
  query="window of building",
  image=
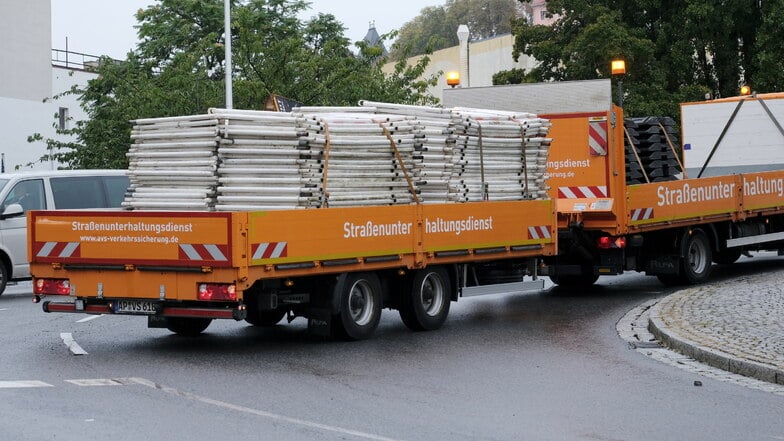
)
(62, 116)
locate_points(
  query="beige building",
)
(476, 61)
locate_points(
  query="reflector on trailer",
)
(217, 291)
(58, 287)
(608, 242)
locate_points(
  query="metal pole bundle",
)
(313, 157)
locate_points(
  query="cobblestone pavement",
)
(737, 325)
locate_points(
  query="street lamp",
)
(618, 69)
(227, 48)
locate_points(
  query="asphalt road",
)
(540, 366)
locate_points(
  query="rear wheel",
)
(3, 277)
(575, 280)
(265, 318)
(728, 256)
(426, 304)
(696, 261)
(359, 299)
(187, 326)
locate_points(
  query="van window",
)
(116, 187)
(29, 194)
(74, 192)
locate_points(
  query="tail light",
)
(57, 287)
(609, 242)
(217, 291)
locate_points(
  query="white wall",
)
(24, 118)
(26, 33)
(28, 81)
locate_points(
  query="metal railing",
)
(74, 60)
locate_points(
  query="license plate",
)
(135, 307)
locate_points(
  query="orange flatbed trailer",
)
(196, 266)
(674, 229)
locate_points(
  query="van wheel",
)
(426, 304)
(186, 326)
(3, 277)
(359, 306)
(697, 259)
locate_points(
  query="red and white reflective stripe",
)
(59, 249)
(584, 192)
(203, 252)
(639, 214)
(597, 137)
(270, 250)
(542, 232)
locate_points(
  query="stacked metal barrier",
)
(173, 163)
(374, 154)
(438, 167)
(263, 164)
(364, 158)
(505, 154)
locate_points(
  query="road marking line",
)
(96, 382)
(20, 384)
(88, 318)
(261, 413)
(3, 309)
(73, 346)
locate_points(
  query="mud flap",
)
(320, 322)
(157, 321)
(663, 265)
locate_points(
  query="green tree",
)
(674, 50)
(436, 26)
(178, 69)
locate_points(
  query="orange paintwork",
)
(645, 207)
(241, 247)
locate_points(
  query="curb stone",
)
(709, 356)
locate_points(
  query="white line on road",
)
(96, 382)
(73, 346)
(261, 413)
(20, 384)
(88, 318)
(3, 309)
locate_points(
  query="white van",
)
(43, 190)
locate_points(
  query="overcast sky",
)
(106, 27)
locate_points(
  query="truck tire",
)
(187, 326)
(3, 278)
(728, 256)
(359, 306)
(575, 281)
(697, 258)
(425, 305)
(265, 318)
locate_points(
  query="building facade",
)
(476, 61)
(28, 82)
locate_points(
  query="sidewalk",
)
(736, 325)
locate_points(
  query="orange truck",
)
(631, 197)
(335, 266)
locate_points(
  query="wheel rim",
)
(697, 256)
(361, 303)
(431, 294)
